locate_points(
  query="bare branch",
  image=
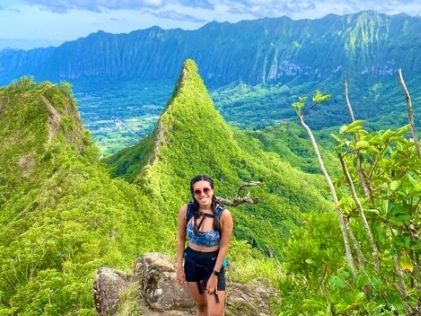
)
(410, 111)
(361, 174)
(241, 199)
(374, 249)
(247, 185)
(348, 103)
(339, 213)
(237, 200)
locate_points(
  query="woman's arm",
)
(181, 241)
(226, 234)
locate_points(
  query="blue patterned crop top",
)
(204, 239)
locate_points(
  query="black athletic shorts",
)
(198, 266)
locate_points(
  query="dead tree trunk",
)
(367, 229)
(360, 171)
(410, 111)
(339, 214)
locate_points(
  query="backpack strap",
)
(218, 212)
(190, 212)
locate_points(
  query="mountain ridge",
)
(280, 49)
(71, 218)
(192, 138)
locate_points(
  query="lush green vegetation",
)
(64, 214)
(379, 193)
(192, 138)
(119, 113)
(61, 215)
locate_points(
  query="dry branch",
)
(410, 111)
(241, 199)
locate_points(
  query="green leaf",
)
(319, 97)
(352, 128)
(310, 261)
(399, 217)
(403, 130)
(343, 129)
(339, 140)
(362, 144)
(373, 211)
(402, 241)
(416, 185)
(394, 185)
(336, 282)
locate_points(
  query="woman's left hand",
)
(211, 286)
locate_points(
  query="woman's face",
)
(203, 193)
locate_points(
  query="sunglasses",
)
(198, 192)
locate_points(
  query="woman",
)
(208, 227)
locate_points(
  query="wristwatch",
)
(216, 273)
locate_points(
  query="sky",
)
(56, 21)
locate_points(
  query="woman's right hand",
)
(181, 278)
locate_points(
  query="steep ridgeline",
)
(255, 52)
(192, 138)
(61, 216)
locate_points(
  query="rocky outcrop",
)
(108, 287)
(158, 284)
(152, 289)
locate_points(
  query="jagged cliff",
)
(260, 51)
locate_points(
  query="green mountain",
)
(255, 70)
(254, 52)
(63, 216)
(192, 138)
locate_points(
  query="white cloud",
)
(70, 19)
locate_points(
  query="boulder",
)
(159, 285)
(153, 290)
(108, 286)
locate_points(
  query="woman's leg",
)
(199, 299)
(216, 308)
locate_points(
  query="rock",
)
(154, 290)
(249, 299)
(159, 284)
(108, 287)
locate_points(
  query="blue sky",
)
(61, 20)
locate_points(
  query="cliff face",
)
(261, 51)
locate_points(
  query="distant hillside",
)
(254, 52)
(255, 70)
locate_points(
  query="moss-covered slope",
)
(192, 138)
(61, 216)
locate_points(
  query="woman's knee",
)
(216, 313)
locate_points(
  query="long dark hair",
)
(214, 204)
